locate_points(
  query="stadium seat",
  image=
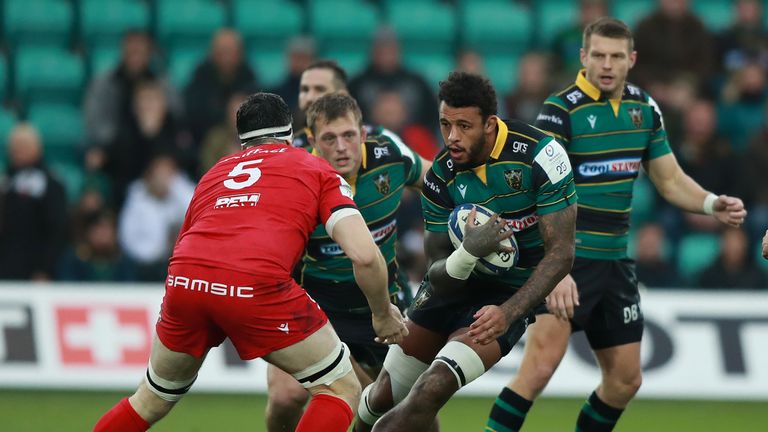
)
(502, 71)
(48, 75)
(695, 253)
(552, 17)
(61, 129)
(496, 27)
(72, 177)
(343, 25)
(267, 23)
(188, 24)
(353, 61)
(433, 67)
(269, 65)
(38, 23)
(103, 23)
(3, 78)
(7, 121)
(182, 63)
(102, 59)
(633, 11)
(716, 14)
(424, 27)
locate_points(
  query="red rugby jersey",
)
(254, 210)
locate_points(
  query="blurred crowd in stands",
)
(146, 141)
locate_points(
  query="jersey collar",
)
(585, 86)
(501, 139)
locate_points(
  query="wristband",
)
(709, 204)
(460, 263)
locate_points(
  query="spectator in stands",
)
(566, 46)
(672, 41)
(90, 204)
(97, 256)
(741, 103)
(653, 269)
(215, 80)
(707, 158)
(153, 213)
(754, 181)
(153, 130)
(299, 55)
(387, 73)
(390, 111)
(470, 61)
(222, 139)
(533, 86)
(109, 99)
(32, 211)
(734, 267)
(746, 39)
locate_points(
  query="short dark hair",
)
(339, 74)
(331, 107)
(464, 89)
(608, 27)
(260, 111)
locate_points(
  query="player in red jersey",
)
(230, 277)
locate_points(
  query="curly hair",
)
(463, 89)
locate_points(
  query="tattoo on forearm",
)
(558, 231)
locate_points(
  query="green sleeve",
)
(659, 145)
(436, 203)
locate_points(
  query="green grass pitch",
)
(32, 411)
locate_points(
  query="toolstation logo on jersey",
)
(609, 167)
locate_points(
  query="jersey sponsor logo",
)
(204, 286)
(592, 119)
(636, 114)
(519, 147)
(462, 189)
(344, 187)
(514, 178)
(574, 96)
(431, 185)
(633, 90)
(379, 152)
(554, 161)
(243, 200)
(609, 167)
(382, 183)
(379, 234)
(256, 151)
(522, 223)
(550, 118)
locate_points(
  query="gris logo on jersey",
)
(514, 178)
(519, 147)
(637, 116)
(382, 183)
(574, 96)
(378, 152)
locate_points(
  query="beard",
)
(474, 155)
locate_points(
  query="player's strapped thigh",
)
(330, 368)
(170, 390)
(403, 372)
(462, 360)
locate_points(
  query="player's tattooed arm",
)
(438, 247)
(558, 231)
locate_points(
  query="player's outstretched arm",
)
(765, 245)
(370, 269)
(682, 191)
(558, 230)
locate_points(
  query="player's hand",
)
(481, 240)
(729, 210)
(490, 323)
(562, 300)
(390, 328)
(765, 245)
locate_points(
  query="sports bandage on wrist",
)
(460, 263)
(709, 204)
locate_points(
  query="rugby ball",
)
(495, 263)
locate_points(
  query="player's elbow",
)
(564, 257)
(366, 257)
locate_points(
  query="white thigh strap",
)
(463, 361)
(168, 390)
(403, 371)
(334, 366)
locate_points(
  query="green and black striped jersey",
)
(388, 165)
(526, 176)
(607, 141)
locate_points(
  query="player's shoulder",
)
(443, 167)
(522, 142)
(635, 93)
(384, 147)
(569, 98)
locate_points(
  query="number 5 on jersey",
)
(244, 168)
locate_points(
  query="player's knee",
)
(624, 385)
(286, 398)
